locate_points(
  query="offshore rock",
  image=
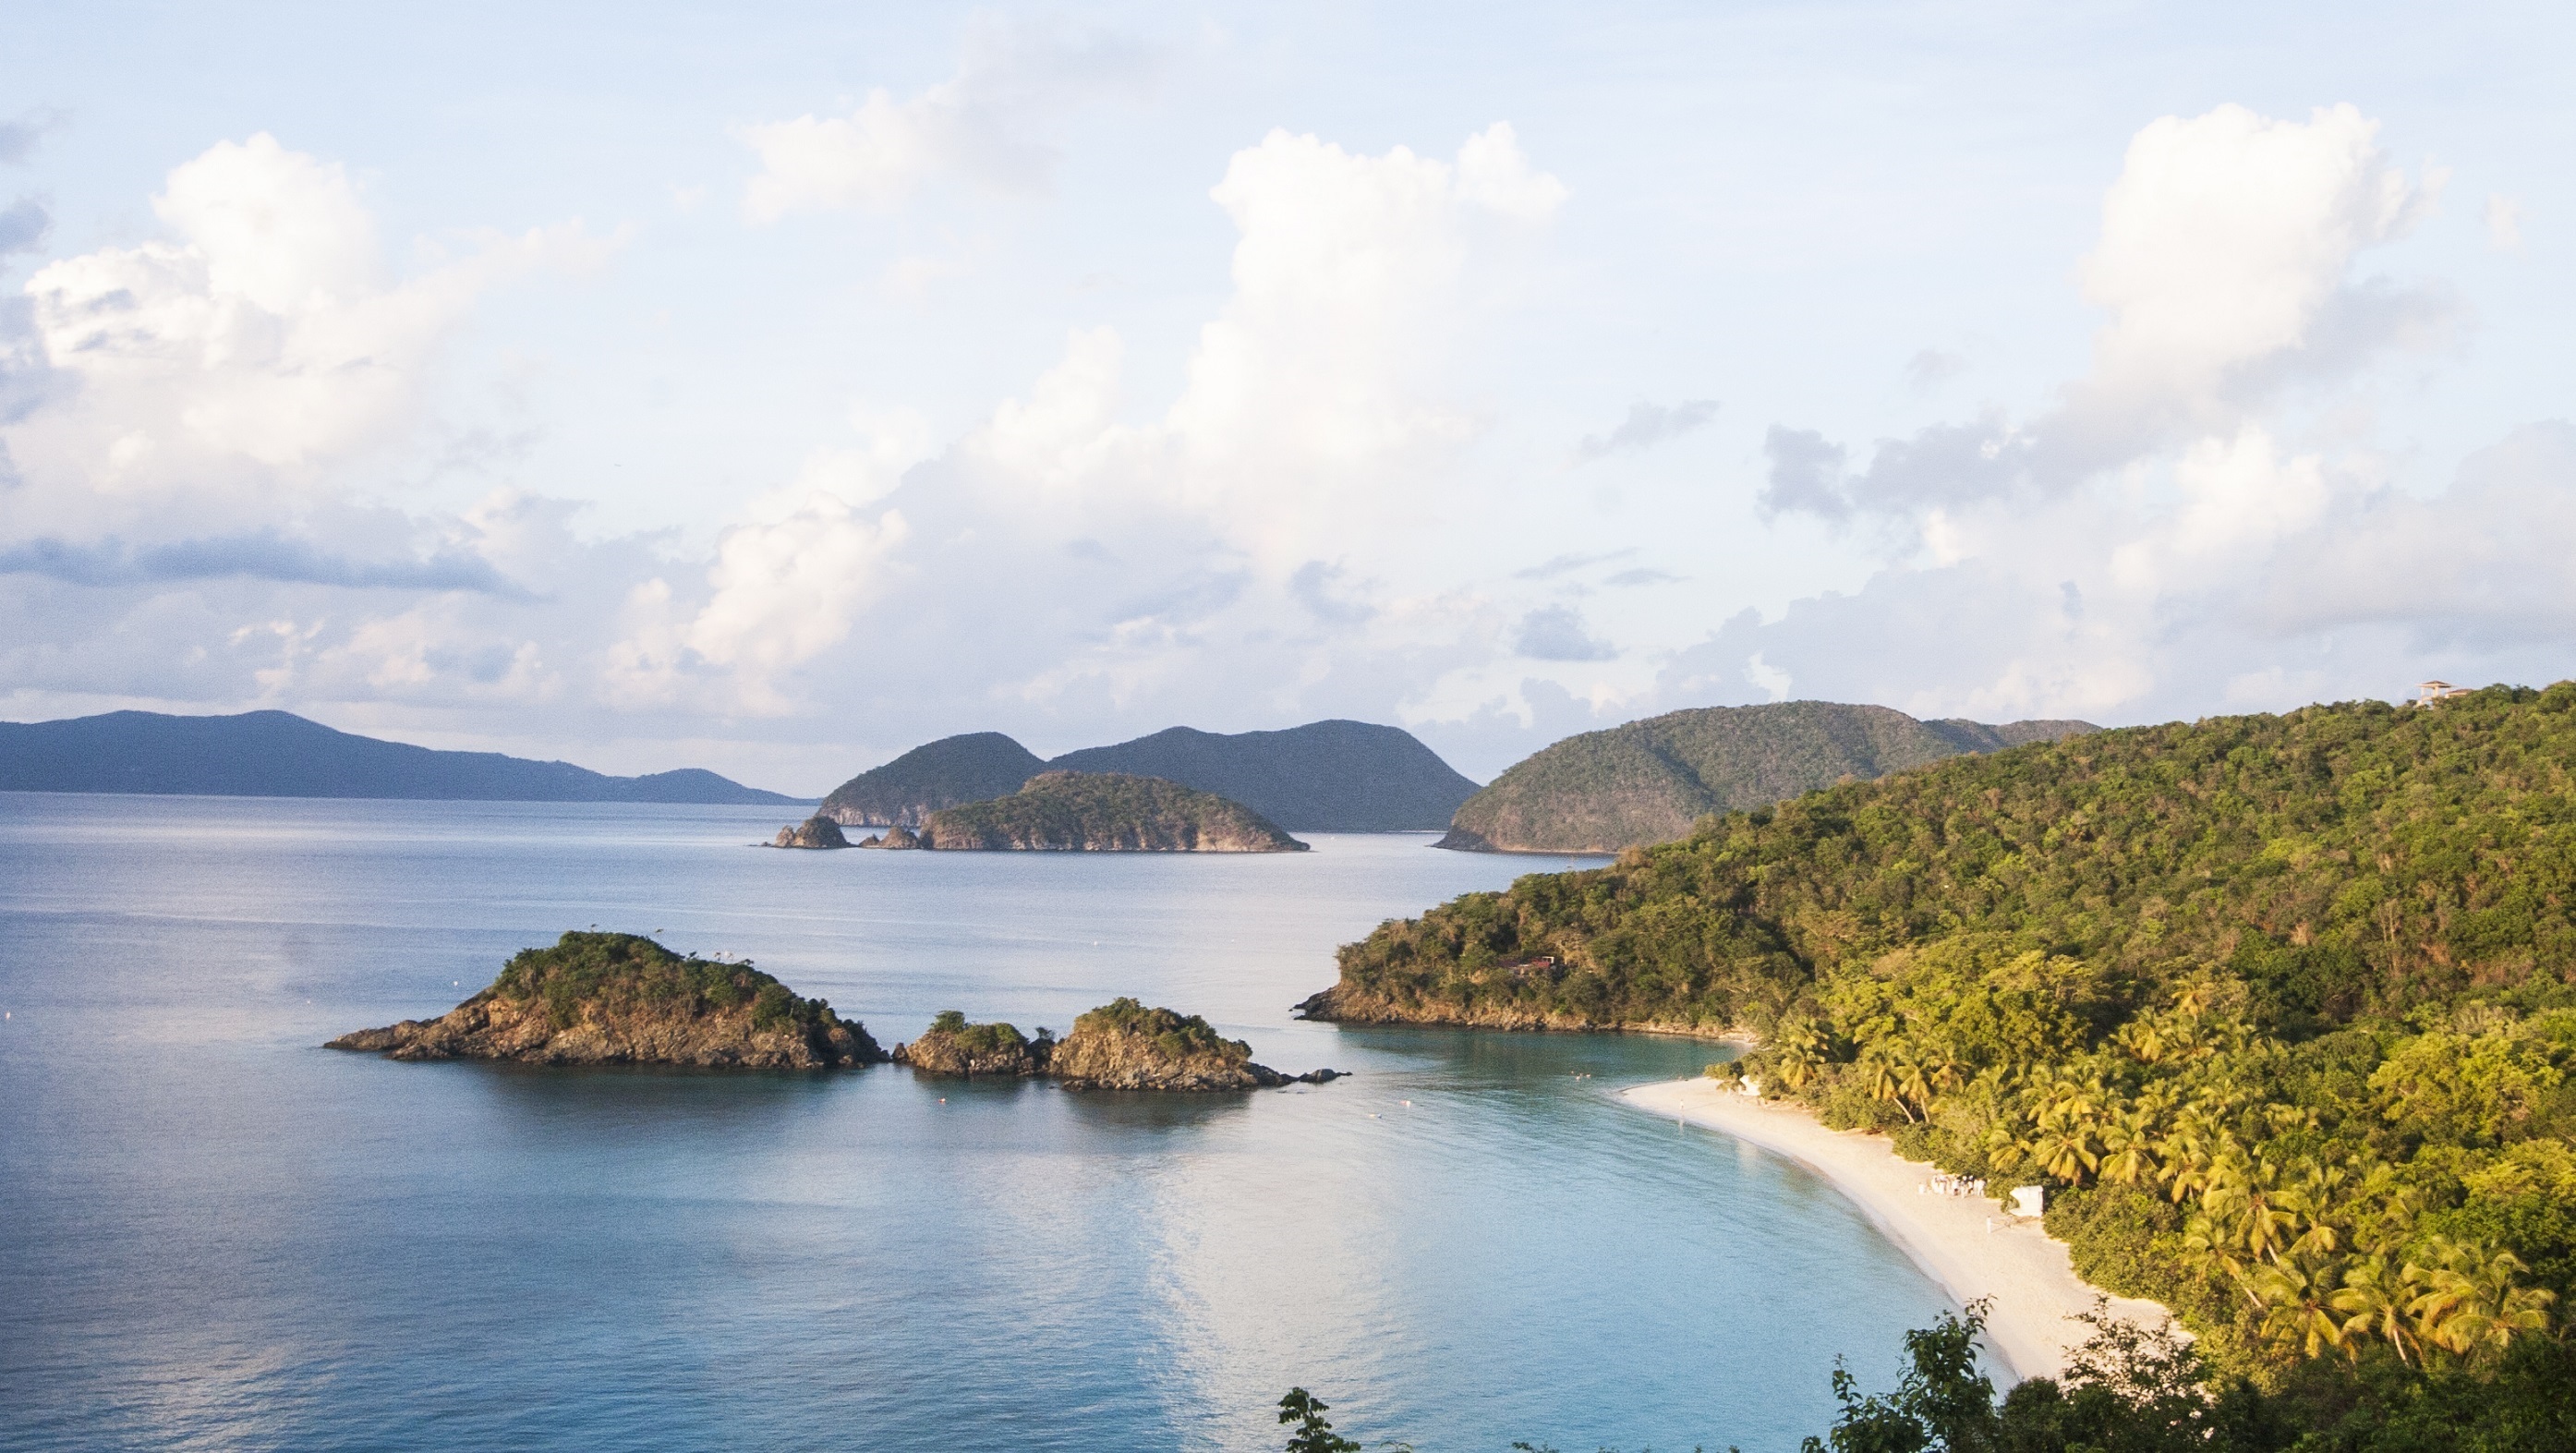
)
(817, 831)
(617, 998)
(895, 837)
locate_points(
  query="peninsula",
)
(1105, 812)
(1122, 1045)
(2275, 1011)
(618, 998)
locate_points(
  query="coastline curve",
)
(1965, 1244)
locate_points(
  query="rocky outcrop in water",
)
(895, 837)
(951, 1046)
(1122, 1045)
(1106, 812)
(617, 998)
(817, 831)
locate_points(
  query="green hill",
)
(1649, 781)
(2284, 1006)
(1106, 812)
(944, 773)
(1325, 776)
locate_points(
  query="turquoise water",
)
(215, 1234)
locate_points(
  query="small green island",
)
(620, 998)
(1105, 812)
(1122, 1045)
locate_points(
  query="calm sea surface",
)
(215, 1234)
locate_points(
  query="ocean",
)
(216, 1234)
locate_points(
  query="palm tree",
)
(2297, 1307)
(2471, 1303)
(2374, 1297)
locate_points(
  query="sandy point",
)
(1966, 1243)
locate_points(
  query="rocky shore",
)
(617, 998)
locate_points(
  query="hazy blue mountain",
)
(949, 772)
(1325, 776)
(279, 754)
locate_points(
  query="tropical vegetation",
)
(1648, 781)
(2278, 1007)
(618, 972)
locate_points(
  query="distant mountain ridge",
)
(1325, 776)
(1649, 781)
(280, 754)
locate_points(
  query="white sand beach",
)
(1966, 1243)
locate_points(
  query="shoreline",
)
(1967, 1244)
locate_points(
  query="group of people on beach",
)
(1945, 1184)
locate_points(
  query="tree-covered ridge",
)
(615, 973)
(1106, 812)
(944, 773)
(1649, 781)
(2282, 1003)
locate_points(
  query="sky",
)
(771, 388)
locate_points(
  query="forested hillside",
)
(950, 772)
(2281, 1005)
(1648, 781)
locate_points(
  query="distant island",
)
(1122, 1045)
(617, 998)
(1650, 781)
(279, 754)
(1325, 776)
(1105, 812)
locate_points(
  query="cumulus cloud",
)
(1647, 425)
(779, 594)
(2200, 520)
(987, 124)
(261, 344)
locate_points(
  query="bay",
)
(215, 1234)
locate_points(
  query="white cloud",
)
(1013, 86)
(258, 347)
(2225, 242)
(779, 594)
(1493, 174)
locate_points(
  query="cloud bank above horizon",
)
(985, 401)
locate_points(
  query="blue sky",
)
(774, 387)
